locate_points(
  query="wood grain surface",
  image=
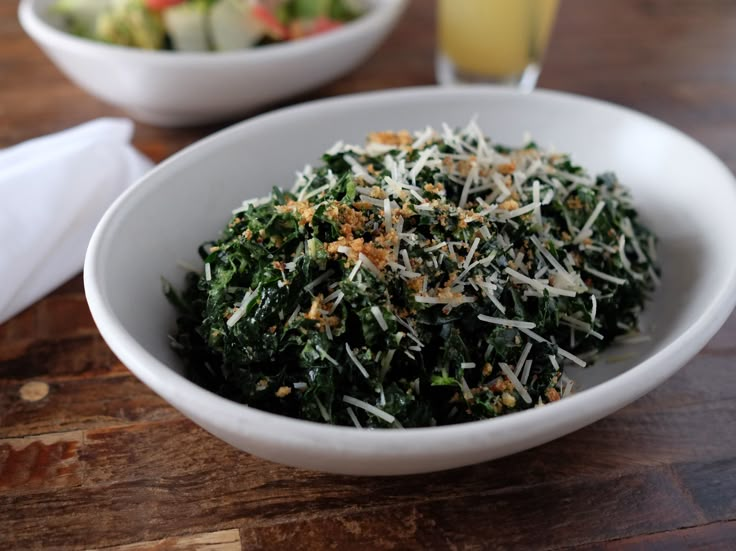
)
(91, 459)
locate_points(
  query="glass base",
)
(448, 74)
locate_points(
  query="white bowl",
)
(684, 193)
(179, 88)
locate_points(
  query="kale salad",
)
(422, 279)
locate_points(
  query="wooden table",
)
(89, 457)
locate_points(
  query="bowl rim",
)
(380, 13)
(601, 399)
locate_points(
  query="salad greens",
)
(203, 25)
(426, 278)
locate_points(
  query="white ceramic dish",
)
(188, 199)
(179, 88)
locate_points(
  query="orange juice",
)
(494, 38)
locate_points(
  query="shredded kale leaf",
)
(422, 279)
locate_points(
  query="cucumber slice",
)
(186, 25)
(231, 26)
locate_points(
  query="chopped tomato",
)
(270, 23)
(323, 24)
(158, 5)
(308, 27)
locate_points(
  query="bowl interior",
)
(43, 11)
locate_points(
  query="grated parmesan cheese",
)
(376, 311)
(373, 410)
(515, 381)
(507, 322)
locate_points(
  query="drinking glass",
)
(493, 41)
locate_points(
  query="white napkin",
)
(53, 191)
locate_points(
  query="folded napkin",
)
(53, 191)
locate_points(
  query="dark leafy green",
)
(315, 294)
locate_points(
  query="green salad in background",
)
(425, 278)
(203, 25)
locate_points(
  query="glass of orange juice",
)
(493, 41)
